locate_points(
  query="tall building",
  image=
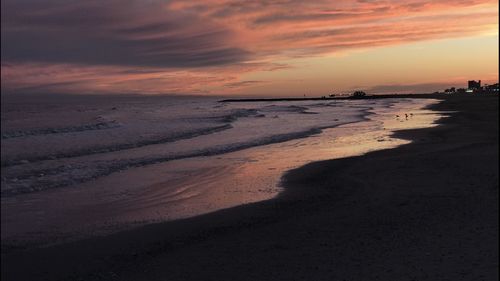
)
(474, 85)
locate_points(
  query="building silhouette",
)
(474, 85)
(476, 88)
(491, 88)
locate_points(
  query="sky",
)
(246, 48)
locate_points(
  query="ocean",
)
(87, 165)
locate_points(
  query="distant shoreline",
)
(368, 97)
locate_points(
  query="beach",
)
(425, 210)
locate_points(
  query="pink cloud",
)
(206, 46)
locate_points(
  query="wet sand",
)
(423, 211)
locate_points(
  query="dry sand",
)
(423, 211)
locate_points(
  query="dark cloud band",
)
(132, 33)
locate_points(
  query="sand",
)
(423, 211)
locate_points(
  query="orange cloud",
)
(206, 46)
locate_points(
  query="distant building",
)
(474, 85)
(491, 88)
(450, 90)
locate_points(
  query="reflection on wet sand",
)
(190, 187)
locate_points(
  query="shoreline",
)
(20, 166)
(368, 97)
(325, 232)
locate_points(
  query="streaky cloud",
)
(130, 33)
(194, 46)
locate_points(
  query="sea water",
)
(97, 164)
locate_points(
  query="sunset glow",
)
(267, 48)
